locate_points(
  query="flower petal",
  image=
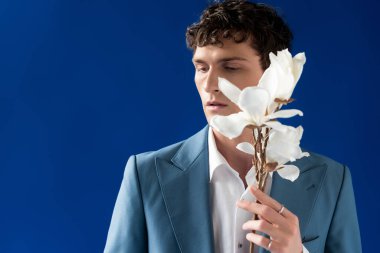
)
(229, 89)
(276, 126)
(283, 147)
(298, 62)
(230, 126)
(289, 71)
(285, 114)
(269, 81)
(285, 75)
(285, 56)
(246, 147)
(302, 154)
(299, 131)
(289, 172)
(254, 101)
(273, 107)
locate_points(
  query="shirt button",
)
(240, 245)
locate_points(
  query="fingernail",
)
(254, 187)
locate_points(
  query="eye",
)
(231, 68)
(201, 69)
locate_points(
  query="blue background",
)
(85, 84)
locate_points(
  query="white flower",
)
(254, 103)
(282, 147)
(259, 107)
(281, 77)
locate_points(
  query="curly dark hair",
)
(241, 20)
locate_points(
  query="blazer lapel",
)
(184, 183)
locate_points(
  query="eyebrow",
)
(226, 59)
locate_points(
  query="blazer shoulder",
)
(147, 159)
(334, 169)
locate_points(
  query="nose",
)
(210, 83)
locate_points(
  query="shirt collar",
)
(216, 159)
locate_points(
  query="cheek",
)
(201, 94)
(255, 77)
(247, 78)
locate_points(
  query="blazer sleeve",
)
(344, 233)
(127, 232)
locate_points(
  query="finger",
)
(262, 226)
(262, 242)
(261, 218)
(269, 201)
(265, 211)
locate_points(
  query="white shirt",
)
(226, 188)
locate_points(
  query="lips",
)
(215, 106)
(215, 103)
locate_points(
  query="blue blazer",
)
(163, 205)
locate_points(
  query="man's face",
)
(239, 63)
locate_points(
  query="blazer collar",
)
(191, 149)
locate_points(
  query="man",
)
(196, 195)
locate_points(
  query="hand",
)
(283, 229)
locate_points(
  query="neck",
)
(238, 160)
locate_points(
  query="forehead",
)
(229, 50)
